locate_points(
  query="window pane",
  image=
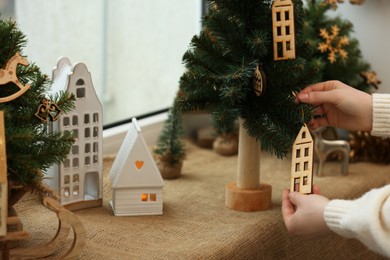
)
(133, 49)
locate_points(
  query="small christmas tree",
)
(246, 65)
(169, 151)
(333, 47)
(236, 39)
(31, 147)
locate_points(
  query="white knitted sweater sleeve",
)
(368, 217)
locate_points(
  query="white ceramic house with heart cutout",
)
(137, 185)
(79, 179)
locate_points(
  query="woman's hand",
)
(338, 105)
(304, 214)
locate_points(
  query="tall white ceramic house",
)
(79, 179)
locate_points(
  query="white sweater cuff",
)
(381, 114)
(334, 214)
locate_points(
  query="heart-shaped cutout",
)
(139, 164)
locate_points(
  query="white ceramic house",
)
(3, 179)
(302, 162)
(79, 179)
(137, 185)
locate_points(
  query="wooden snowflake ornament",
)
(371, 78)
(283, 29)
(302, 162)
(333, 43)
(8, 74)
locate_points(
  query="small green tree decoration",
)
(169, 152)
(31, 147)
(333, 47)
(236, 41)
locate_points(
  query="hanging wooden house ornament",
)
(302, 162)
(259, 81)
(283, 29)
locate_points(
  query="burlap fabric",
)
(197, 225)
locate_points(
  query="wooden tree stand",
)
(248, 194)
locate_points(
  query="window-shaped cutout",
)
(278, 31)
(279, 48)
(66, 121)
(87, 161)
(286, 15)
(87, 132)
(296, 184)
(153, 197)
(80, 92)
(66, 179)
(95, 159)
(86, 118)
(298, 153)
(306, 152)
(75, 120)
(287, 30)
(66, 192)
(304, 182)
(66, 163)
(144, 197)
(297, 168)
(80, 82)
(303, 135)
(76, 178)
(95, 131)
(75, 133)
(288, 45)
(95, 117)
(75, 162)
(306, 166)
(278, 16)
(75, 149)
(87, 148)
(75, 190)
(95, 147)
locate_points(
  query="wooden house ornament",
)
(283, 29)
(3, 179)
(137, 185)
(302, 162)
(79, 179)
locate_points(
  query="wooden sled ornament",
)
(67, 221)
(8, 74)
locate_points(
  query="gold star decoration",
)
(333, 43)
(371, 78)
